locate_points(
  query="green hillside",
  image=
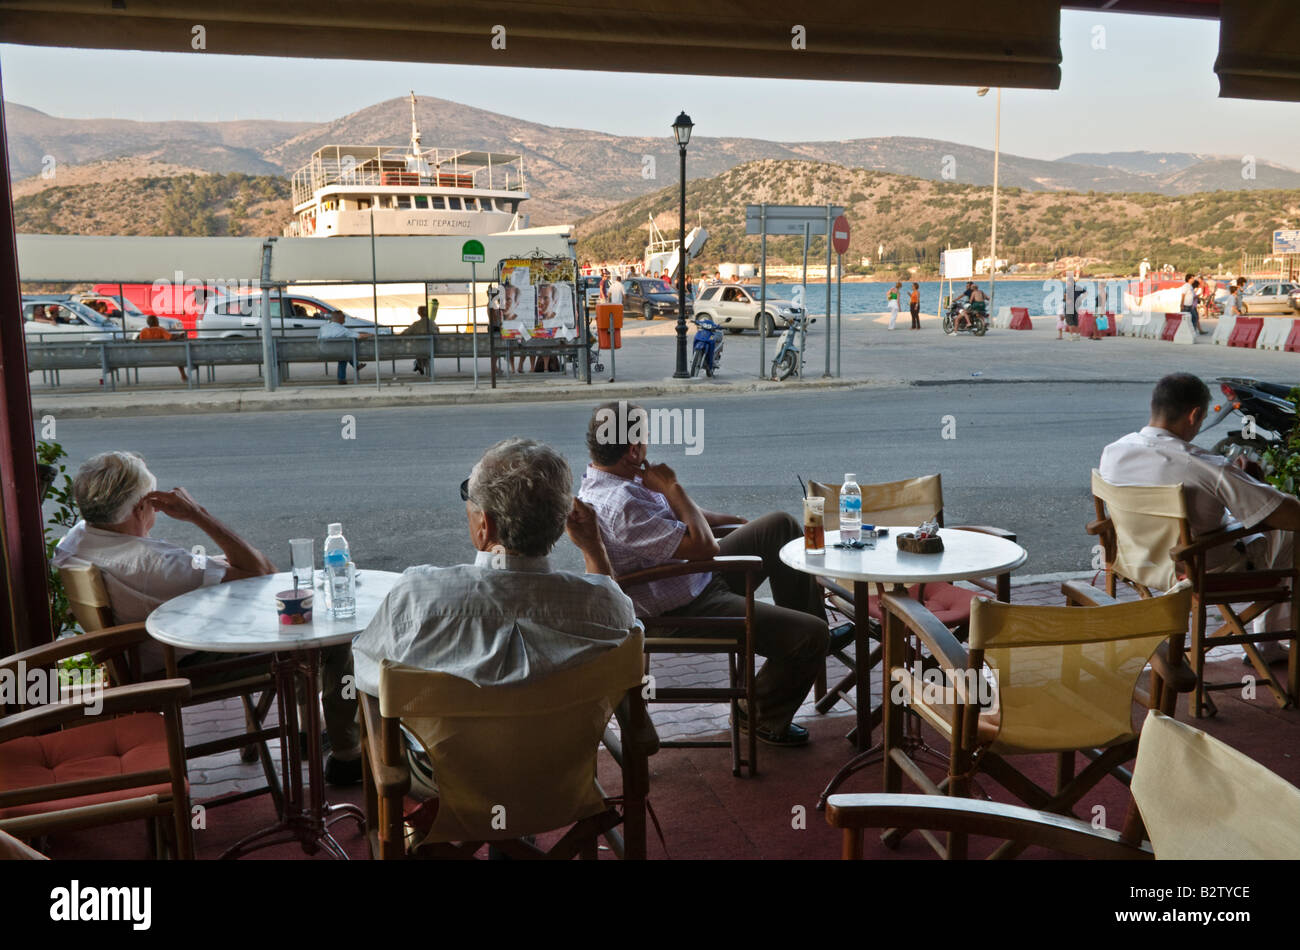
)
(916, 218)
(191, 205)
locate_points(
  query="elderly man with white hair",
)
(119, 501)
(508, 617)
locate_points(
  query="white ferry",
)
(407, 190)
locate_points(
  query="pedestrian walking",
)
(893, 304)
(1071, 308)
(914, 304)
(1188, 303)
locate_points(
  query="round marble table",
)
(966, 554)
(240, 617)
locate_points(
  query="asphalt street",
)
(1016, 455)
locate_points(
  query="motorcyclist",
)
(978, 303)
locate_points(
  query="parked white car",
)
(1269, 298)
(50, 320)
(735, 307)
(292, 315)
(136, 319)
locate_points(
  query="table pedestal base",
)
(302, 820)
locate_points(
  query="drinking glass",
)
(814, 533)
(302, 561)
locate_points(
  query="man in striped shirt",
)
(647, 518)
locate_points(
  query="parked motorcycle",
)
(788, 354)
(1267, 417)
(707, 345)
(979, 321)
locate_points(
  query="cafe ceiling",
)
(1014, 43)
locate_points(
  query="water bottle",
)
(340, 575)
(850, 509)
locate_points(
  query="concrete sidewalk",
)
(871, 355)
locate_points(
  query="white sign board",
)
(957, 264)
(789, 219)
(1286, 242)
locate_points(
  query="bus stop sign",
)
(472, 253)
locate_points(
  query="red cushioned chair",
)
(64, 767)
(906, 502)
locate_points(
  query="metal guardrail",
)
(50, 358)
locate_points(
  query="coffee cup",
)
(294, 606)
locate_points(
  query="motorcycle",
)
(707, 345)
(979, 321)
(786, 361)
(1267, 418)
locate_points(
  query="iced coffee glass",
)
(814, 531)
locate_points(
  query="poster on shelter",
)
(536, 299)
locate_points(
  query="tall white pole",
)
(993, 240)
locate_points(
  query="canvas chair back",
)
(512, 760)
(87, 596)
(1200, 798)
(1065, 675)
(1149, 520)
(906, 502)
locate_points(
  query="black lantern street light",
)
(682, 133)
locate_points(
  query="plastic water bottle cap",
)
(850, 477)
(335, 528)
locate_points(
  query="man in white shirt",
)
(335, 329)
(1218, 492)
(616, 290)
(117, 497)
(1188, 302)
(509, 617)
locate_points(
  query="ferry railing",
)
(370, 171)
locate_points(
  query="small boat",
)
(662, 254)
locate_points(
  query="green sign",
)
(472, 253)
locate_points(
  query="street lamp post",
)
(993, 238)
(682, 133)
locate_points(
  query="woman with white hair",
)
(119, 502)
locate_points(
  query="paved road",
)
(1020, 460)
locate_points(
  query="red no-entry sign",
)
(840, 235)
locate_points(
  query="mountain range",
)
(572, 173)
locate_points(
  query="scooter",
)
(786, 361)
(978, 325)
(1267, 415)
(707, 345)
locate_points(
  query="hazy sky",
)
(1151, 87)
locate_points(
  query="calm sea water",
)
(1039, 296)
